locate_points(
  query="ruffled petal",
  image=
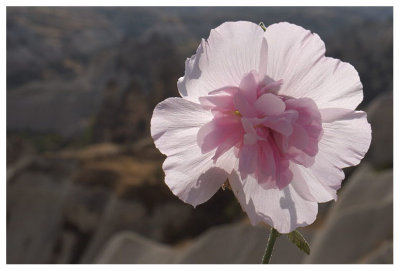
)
(251, 137)
(282, 123)
(346, 139)
(221, 102)
(219, 130)
(175, 123)
(269, 104)
(248, 87)
(244, 107)
(285, 209)
(298, 57)
(307, 184)
(248, 159)
(191, 175)
(232, 50)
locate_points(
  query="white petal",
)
(285, 209)
(175, 123)
(190, 175)
(193, 177)
(298, 57)
(346, 139)
(232, 50)
(308, 185)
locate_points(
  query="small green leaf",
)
(262, 26)
(299, 241)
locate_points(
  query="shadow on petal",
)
(287, 202)
(192, 71)
(206, 186)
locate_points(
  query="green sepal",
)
(262, 26)
(299, 241)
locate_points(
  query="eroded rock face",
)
(351, 235)
(382, 255)
(119, 215)
(232, 243)
(239, 243)
(82, 212)
(64, 207)
(380, 115)
(131, 248)
(366, 186)
(35, 199)
(359, 222)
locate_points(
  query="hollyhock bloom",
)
(268, 111)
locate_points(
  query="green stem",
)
(270, 246)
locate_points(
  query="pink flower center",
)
(268, 131)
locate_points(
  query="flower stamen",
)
(237, 113)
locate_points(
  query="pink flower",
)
(268, 111)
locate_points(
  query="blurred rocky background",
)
(84, 180)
